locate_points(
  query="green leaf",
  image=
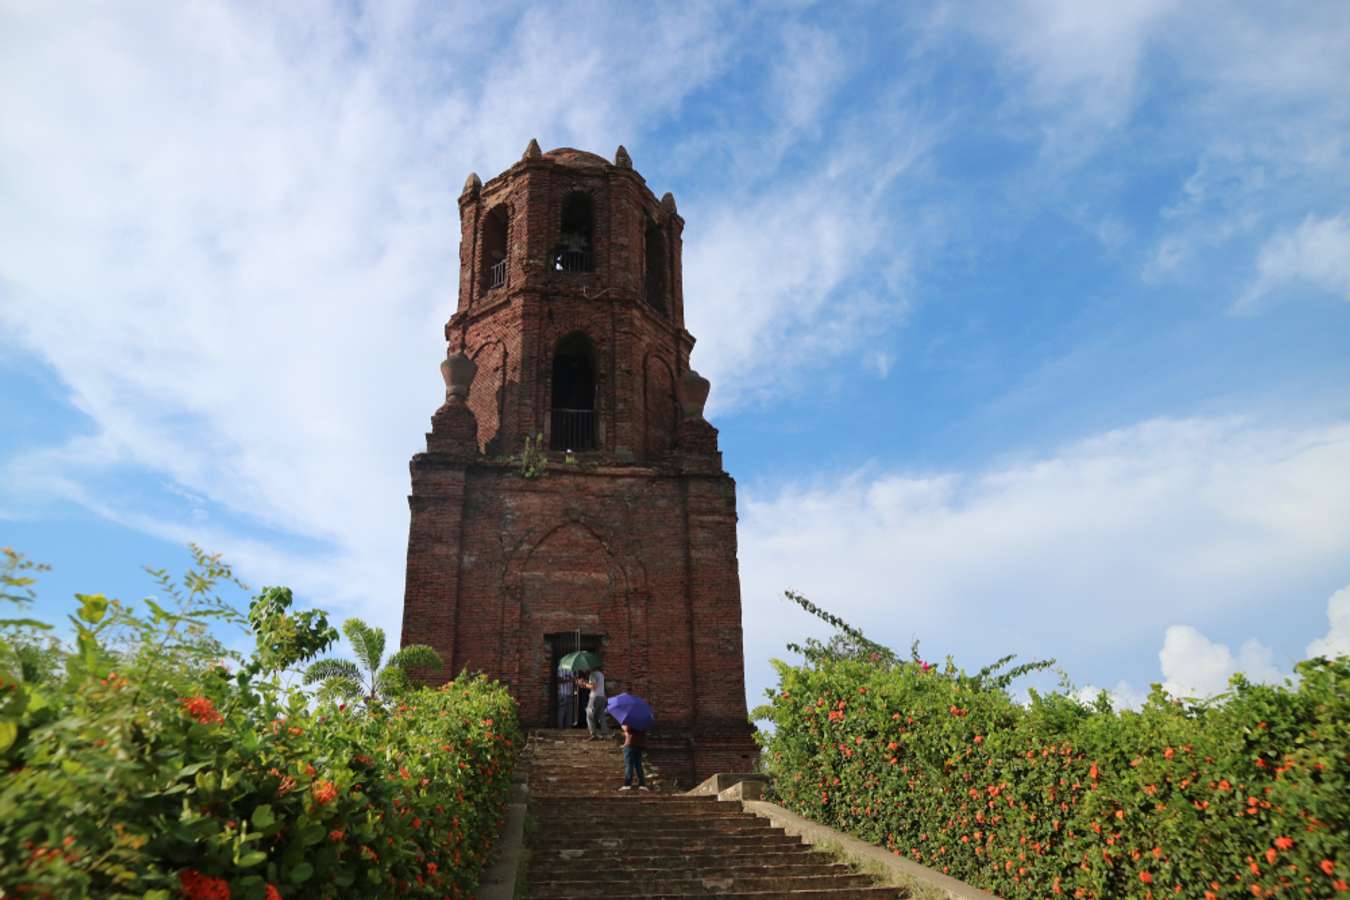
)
(25, 623)
(93, 607)
(252, 858)
(263, 817)
(312, 834)
(156, 894)
(300, 873)
(8, 732)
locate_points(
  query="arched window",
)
(656, 266)
(574, 418)
(494, 248)
(575, 252)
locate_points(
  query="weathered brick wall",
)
(637, 543)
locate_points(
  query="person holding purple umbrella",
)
(635, 717)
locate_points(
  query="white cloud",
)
(1336, 642)
(1195, 666)
(1315, 254)
(1076, 65)
(783, 280)
(1122, 696)
(1085, 553)
(231, 232)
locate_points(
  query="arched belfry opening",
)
(495, 228)
(655, 245)
(575, 251)
(574, 424)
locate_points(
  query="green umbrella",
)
(580, 661)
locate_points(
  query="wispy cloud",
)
(1316, 255)
(1087, 553)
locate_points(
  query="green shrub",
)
(150, 769)
(1248, 794)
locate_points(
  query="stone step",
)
(603, 883)
(591, 840)
(673, 840)
(683, 844)
(654, 892)
(643, 870)
(710, 856)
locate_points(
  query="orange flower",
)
(324, 792)
(1284, 843)
(1146, 878)
(1271, 853)
(197, 886)
(202, 710)
(1328, 866)
(1169, 753)
(336, 835)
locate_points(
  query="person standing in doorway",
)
(566, 684)
(596, 723)
(633, 743)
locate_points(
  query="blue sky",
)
(1027, 322)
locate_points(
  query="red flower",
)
(1146, 878)
(1328, 866)
(201, 710)
(1284, 843)
(336, 835)
(273, 893)
(324, 792)
(196, 886)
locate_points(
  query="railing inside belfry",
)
(574, 261)
(497, 275)
(573, 429)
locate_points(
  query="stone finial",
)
(458, 371)
(532, 151)
(622, 159)
(693, 393)
(668, 203)
(473, 184)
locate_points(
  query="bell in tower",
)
(615, 532)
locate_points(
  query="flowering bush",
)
(150, 770)
(1246, 795)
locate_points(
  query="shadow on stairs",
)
(590, 840)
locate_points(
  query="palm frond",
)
(340, 688)
(414, 656)
(393, 681)
(368, 643)
(326, 669)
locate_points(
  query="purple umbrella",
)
(631, 711)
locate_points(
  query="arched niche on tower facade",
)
(575, 249)
(486, 397)
(573, 414)
(495, 241)
(659, 407)
(654, 256)
(566, 577)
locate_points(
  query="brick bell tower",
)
(621, 536)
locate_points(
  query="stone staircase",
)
(589, 840)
